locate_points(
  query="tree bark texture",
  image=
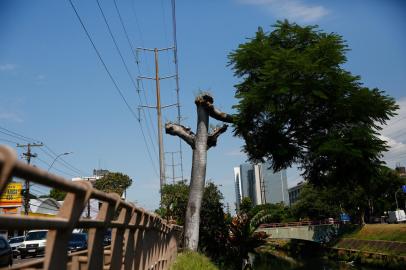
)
(197, 180)
(200, 143)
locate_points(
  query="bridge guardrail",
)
(140, 239)
(298, 223)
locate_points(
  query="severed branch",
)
(212, 139)
(207, 101)
(181, 131)
(219, 115)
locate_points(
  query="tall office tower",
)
(261, 184)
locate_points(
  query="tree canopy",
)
(298, 105)
(113, 182)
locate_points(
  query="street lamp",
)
(58, 156)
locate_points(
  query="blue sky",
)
(54, 88)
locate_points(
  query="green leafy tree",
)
(362, 202)
(174, 202)
(57, 194)
(113, 182)
(316, 203)
(213, 224)
(245, 205)
(298, 105)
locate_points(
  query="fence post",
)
(56, 255)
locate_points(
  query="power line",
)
(29, 139)
(124, 63)
(18, 136)
(132, 48)
(56, 169)
(112, 79)
(5, 140)
(63, 162)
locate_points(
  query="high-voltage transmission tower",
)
(159, 108)
(175, 57)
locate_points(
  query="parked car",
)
(15, 242)
(6, 254)
(34, 243)
(397, 216)
(77, 242)
(107, 238)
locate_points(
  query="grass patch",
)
(192, 260)
(388, 232)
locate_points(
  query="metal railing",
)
(139, 239)
(299, 223)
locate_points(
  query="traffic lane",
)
(26, 260)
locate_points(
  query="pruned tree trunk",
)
(200, 143)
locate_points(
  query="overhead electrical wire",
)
(132, 48)
(5, 140)
(117, 88)
(52, 156)
(125, 65)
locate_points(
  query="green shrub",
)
(192, 260)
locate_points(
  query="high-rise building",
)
(294, 192)
(261, 184)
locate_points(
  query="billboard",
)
(12, 195)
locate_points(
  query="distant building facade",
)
(92, 209)
(294, 192)
(261, 184)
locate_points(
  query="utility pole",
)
(28, 155)
(159, 108)
(159, 114)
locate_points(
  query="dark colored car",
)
(77, 242)
(107, 238)
(6, 254)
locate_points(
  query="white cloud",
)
(40, 77)
(395, 134)
(290, 9)
(7, 67)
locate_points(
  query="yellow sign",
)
(12, 195)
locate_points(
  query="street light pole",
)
(396, 198)
(58, 156)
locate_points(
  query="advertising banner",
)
(12, 195)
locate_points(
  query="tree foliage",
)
(174, 202)
(360, 201)
(113, 182)
(297, 104)
(57, 194)
(245, 205)
(213, 226)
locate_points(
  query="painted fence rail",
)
(139, 239)
(299, 223)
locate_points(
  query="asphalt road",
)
(18, 260)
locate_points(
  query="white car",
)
(34, 243)
(15, 242)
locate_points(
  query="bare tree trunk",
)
(197, 180)
(200, 143)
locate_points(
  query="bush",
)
(192, 260)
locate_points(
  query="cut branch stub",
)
(183, 132)
(212, 139)
(207, 101)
